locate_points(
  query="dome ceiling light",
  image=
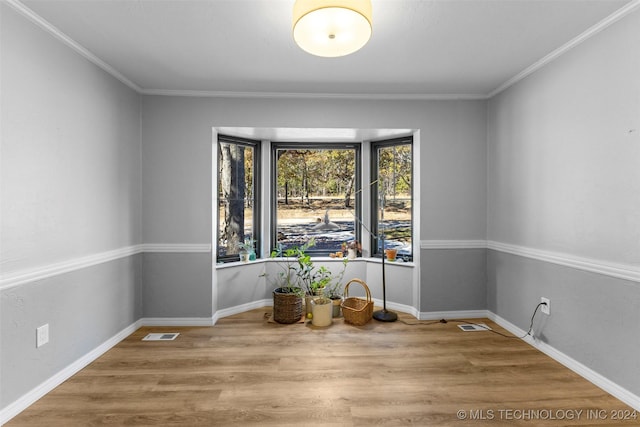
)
(331, 28)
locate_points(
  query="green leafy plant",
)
(291, 262)
(336, 288)
(248, 245)
(298, 274)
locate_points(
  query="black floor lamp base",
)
(385, 316)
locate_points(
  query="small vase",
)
(351, 254)
(337, 309)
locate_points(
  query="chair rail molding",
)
(617, 270)
(16, 278)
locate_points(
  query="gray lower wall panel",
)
(239, 285)
(453, 279)
(177, 285)
(595, 319)
(83, 308)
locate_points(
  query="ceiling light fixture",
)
(331, 28)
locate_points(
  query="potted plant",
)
(352, 249)
(313, 280)
(247, 250)
(287, 297)
(335, 290)
(391, 254)
(299, 277)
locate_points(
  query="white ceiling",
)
(419, 48)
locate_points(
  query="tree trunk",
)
(233, 191)
(286, 192)
(347, 192)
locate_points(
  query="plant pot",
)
(337, 310)
(318, 292)
(244, 256)
(322, 311)
(352, 254)
(391, 254)
(287, 306)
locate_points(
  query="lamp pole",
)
(384, 315)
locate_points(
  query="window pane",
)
(236, 196)
(316, 191)
(393, 165)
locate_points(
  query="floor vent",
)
(468, 327)
(161, 337)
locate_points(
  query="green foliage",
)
(335, 290)
(394, 169)
(299, 275)
(314, 172)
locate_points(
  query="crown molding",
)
(614, 17)
(86, 53)
(303, 95)
(44, 24)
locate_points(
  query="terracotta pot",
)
(391, 254)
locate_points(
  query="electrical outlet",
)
(546, 309)
(42, 335)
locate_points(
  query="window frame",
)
(374, 196)
(256, 184)
(315, 145)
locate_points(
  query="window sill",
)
(223, 265)
(316, 259)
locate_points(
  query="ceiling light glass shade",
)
(331, 28)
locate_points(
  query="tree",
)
(233, 188)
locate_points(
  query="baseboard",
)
(36, 393)
(396, 307)
(460, 314)
(205, 321)
(587, 373)
(226, 312)
(176, 321)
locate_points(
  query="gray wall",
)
(177, 172)
(70, 188)
(453, 280)
(181, 276)
(564, 178)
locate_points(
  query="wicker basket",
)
(357, 311)
(287, 306)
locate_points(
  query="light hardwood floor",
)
(247, 371)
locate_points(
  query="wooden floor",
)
(247, 371)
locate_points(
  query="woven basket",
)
(287, 306)
(357, 311)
